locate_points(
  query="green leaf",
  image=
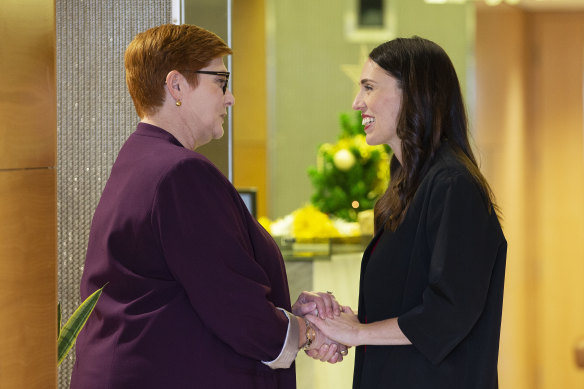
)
(335, 190)
(58, 320)
(71, 329)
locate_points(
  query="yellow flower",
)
(310, 223)
(382, 174)
(265, 222)
(325, 148)
(344, 143)
(363, 147)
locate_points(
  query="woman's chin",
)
(218, 134)
(370, 140)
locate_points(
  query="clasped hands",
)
(317, 307)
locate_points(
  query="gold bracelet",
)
(310, 335)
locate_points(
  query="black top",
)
(442, 274)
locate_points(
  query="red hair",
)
(155, 52)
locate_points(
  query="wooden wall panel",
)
(556, 163)
(530, 126)
(501, 140)
(27, 79)
(28, 231)
(28, 298)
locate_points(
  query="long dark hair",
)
(432, 112)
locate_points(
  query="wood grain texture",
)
(501, 137)
(27, 77)
(28, 279)
(530, 68)
(28, 230)
(556, 165)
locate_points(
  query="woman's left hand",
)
(332, 353)
(343, 329)
(325, 349)
(322, 304)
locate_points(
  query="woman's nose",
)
(358, 104)
(229, 98)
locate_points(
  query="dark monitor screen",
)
(248, 196)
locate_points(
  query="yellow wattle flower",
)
(310, 223)
(266, 223)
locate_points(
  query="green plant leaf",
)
(336, 190)
(71, 329)
(58, 320)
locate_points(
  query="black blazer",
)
(442, 274)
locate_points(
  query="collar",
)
(145, 129)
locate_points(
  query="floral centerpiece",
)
(308, 223)
(349, 175)
(348, 178)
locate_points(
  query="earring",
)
(178, 103)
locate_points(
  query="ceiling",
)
(553, 4)
(558, 5)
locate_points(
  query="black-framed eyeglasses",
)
(224, 74)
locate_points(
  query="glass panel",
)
(214, 15)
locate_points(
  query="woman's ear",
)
(174, 80)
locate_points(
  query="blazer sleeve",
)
(206, 244)
(463, 251)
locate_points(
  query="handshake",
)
(330, 328)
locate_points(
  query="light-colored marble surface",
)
(339, 275)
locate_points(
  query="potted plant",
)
(67, 335)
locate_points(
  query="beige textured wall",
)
(28, 231)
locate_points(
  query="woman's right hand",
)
(343, 329)
(322, 304)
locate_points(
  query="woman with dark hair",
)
(431, 286)
(196, 294)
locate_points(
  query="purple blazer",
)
(193, 281)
